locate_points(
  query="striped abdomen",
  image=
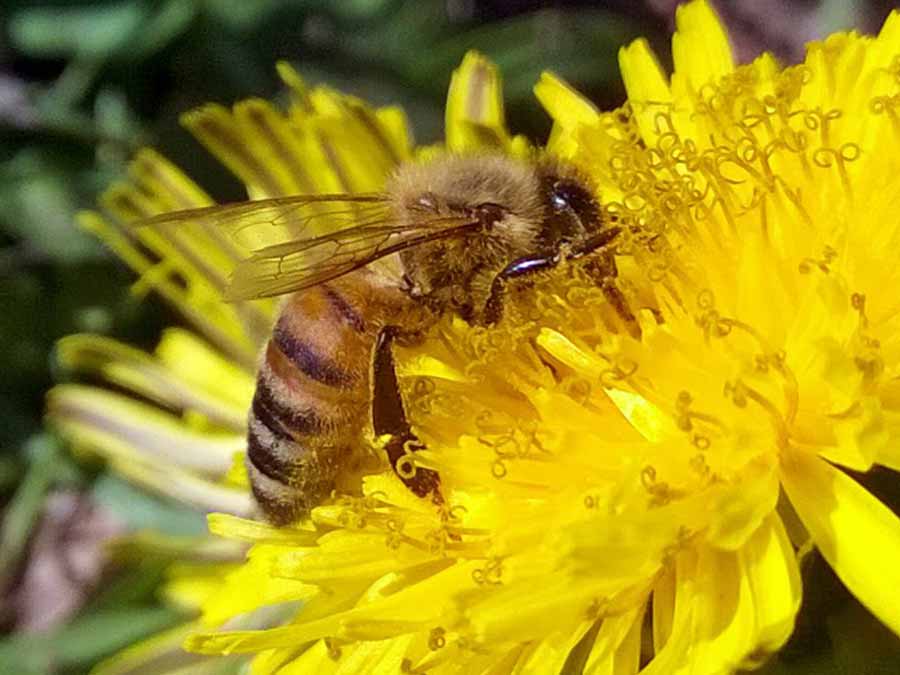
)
(312, 397)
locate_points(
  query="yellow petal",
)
(574, 117)
(742, 510)
(318, 659)
(206, 369)
(700, 49)
(255, 142)
(565, 105)
(120, 428)
(199, 380)
(646, 85)
(382, 657)
(770, 564)
(474, 118)
(724, 618)
(663, 608)
(256, 531)
(857, 534)
(250, 586)
(159, 654)
(614, 644)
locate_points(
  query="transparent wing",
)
(254, 225)
(293, 266)
(290, 243)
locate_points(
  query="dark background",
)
(84, 84)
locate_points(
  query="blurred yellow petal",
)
(160, 654)
(700, 48)
(772, 571)
(475, 119)
(179, 378)
(857, 534)
(126, 430)
(646, 84)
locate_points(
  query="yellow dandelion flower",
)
(619, 496)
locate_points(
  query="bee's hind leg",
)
(389, 418)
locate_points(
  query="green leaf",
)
(160, 29)
(135, 585)
(23, 511)
(38, 202)
(141, 510)
(84, 640)
(92, 31)
(10, 472)
(241, 15)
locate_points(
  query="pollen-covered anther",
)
(661, 492)
(356, 511)
(685, 417)
(709, 318)
(682, 411)
(334, 651)
(436, 541)
(406, 466)
(671, 551)
(489, 575)
(394, 537)
(701, 442)
(437, 639)
(822, 264)
(621, 370)
(598, 609)
(407, 668)
(858, 302)
(699, 464)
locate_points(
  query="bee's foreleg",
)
(523, 267)
(602, 268)
(389, 418)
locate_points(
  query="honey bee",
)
(363, 271)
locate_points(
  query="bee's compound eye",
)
(561, 195)
(568, 194)
(560, 203)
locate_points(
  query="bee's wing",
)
(290, 243)
(292, 266)
(253, 225)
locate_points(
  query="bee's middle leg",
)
(389, 418)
